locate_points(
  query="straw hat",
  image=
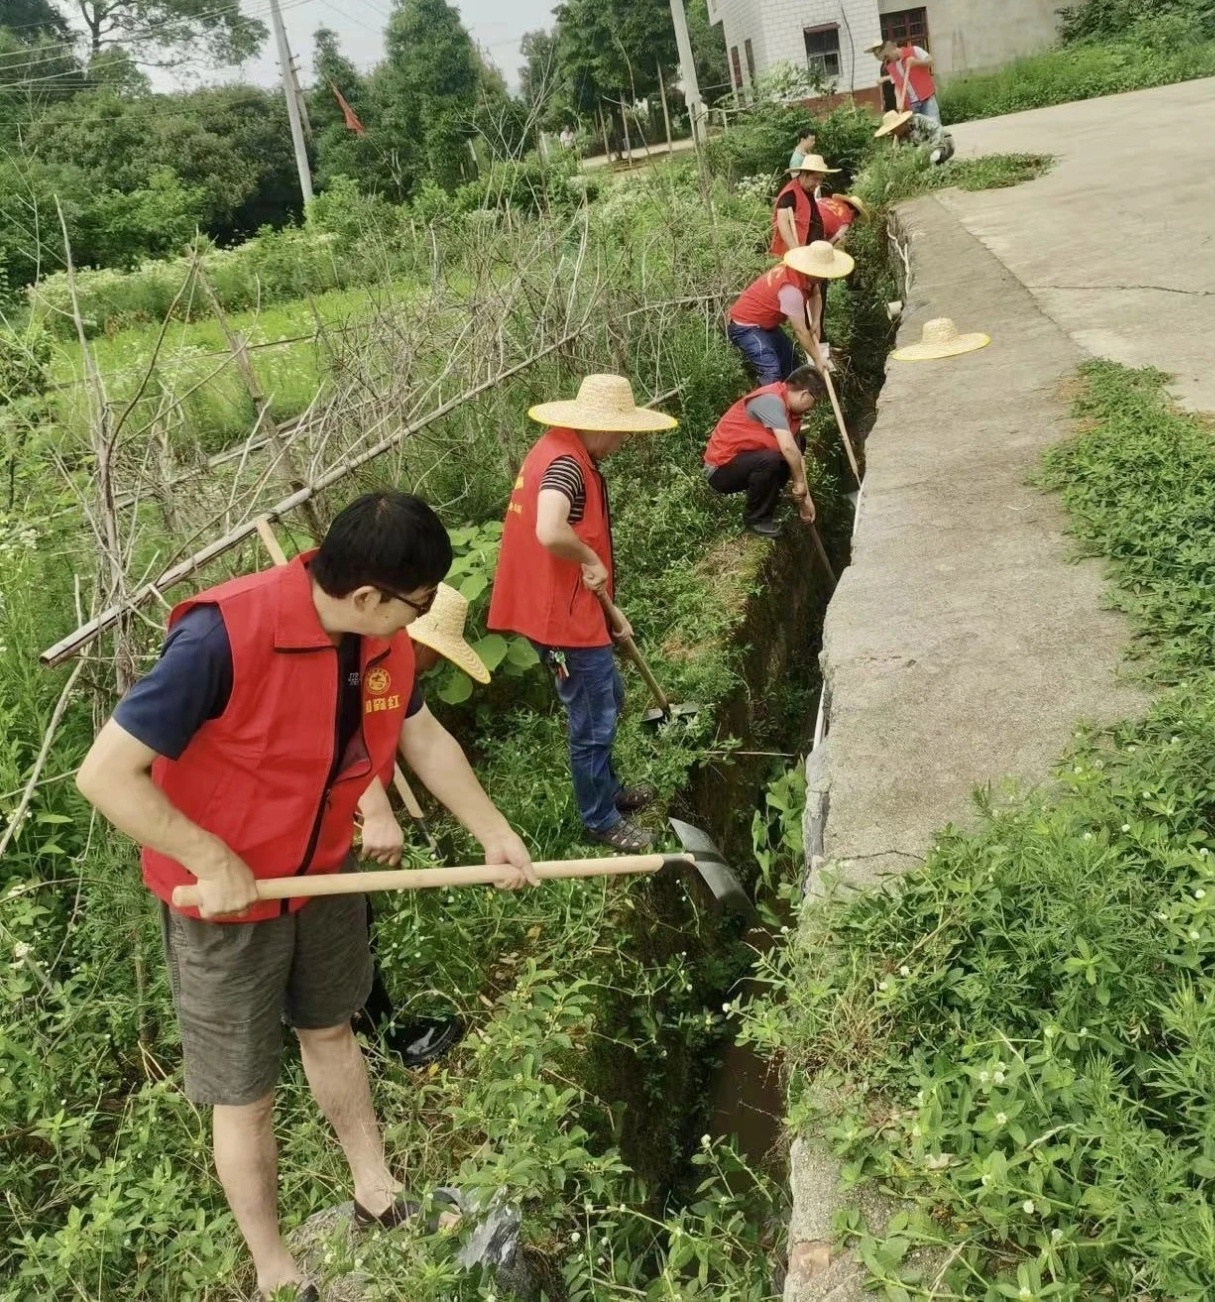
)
(875, 47)
(442, 629)
(940, 338)
(604, 404)
(822, 260)
(891, 121)
(853, 202)
(814, 163)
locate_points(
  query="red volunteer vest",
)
(759, 303)
(258, 776)
(805, 212)
(536, 594)
(836, 215)
(919, 82)
(736, 432)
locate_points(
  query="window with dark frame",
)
(907, 27)
(750, 53)
(736, 67)
(823, 50)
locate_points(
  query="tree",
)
(708, 51)
(162, 33)
(34, 20)
(340, 151)
(427, 90)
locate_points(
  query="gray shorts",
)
(236, 983)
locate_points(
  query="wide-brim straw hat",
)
(822, 260)
(604, 404)
(940, 338)
(853, 202)
(814, 163)
(442, 629)
(891, 121)
(876, 46)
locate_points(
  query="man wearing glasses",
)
(243, 754)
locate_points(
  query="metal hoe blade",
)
(655, 717)
(716, 874)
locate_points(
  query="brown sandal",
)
(626, 837)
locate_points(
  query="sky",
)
(497, 25)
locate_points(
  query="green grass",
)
(895, 175)
(1077, 71)
(214, 409)
(1018, 1040)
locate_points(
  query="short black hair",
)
(385, 540)
(808, 380)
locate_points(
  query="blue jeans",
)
(927, 108)
(769, 353)
(593, 695)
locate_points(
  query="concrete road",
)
(1117, 242)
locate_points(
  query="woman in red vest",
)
(242, 756)
(838, 213)
(789, 294)
(795, 216)
(909, 68)
(757, 449)
(556, 556)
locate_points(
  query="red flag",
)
(352, 118)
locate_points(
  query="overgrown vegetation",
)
(1016, 1040)
(1110, 46)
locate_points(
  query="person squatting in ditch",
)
(417, 1041)
(790, 294)
(918, 131)
(757, 448)
(241, 756)
(555, 561)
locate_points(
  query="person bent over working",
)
(922, 132)
(242, 757)
(789, 294)
(795, 215)
(757, 448)
(556, 556)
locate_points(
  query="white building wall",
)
(776, 30)
(971, 34)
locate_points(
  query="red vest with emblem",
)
(258, 777)
(736, 431)
(759, 303)
(836, 215)
(805, 210)
(919, 82)
(536, 594)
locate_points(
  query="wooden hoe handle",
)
(616, 622)
(413, 879)
(839, 420)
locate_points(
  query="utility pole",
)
(687, 71)
(293, 105)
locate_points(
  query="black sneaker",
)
(424, 1040)
(765, 528)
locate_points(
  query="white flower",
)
(1028, 1207)
(1200, 894)
(999, 1078)
(1001, 1118)
(1056, 1235)
(1051, 1032)
(576, 1236)
(1126, 827)
(1026, 1293)
(985, 1181)
(1194, 935)
(1088, 836)
(904, 971)
(705, 1141)
(1162, 917)
(883, 985)
(984, 1077)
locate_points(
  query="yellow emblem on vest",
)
(378, 681)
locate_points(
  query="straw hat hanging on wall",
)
(604, 404)
(940, 338)
(442, 629)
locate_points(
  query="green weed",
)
(1016, 1040)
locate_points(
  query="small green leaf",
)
(456, 687)
(493, 649)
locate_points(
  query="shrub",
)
(764, 136)
(1110, 20)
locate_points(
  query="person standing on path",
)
(757, 448)
(241, 757)
(436, 636)
(555, 561)
(789, 294)
(795, 216)
(910, 70)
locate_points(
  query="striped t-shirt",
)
(564, 476)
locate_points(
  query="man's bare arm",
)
(116, 779)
